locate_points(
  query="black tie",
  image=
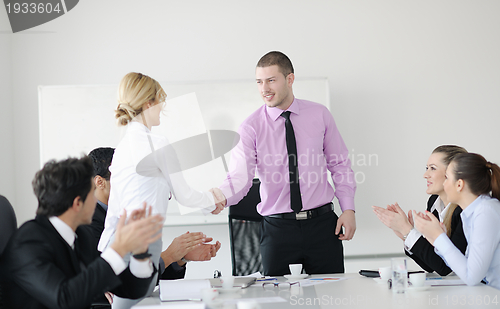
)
(293, 169)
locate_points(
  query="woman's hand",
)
(427, 224)
(394, 218)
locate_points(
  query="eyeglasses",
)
(281, 285)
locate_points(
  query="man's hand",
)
(181, 245)
(220, 200)
(138, 233)
(204, 252)
(347, 220)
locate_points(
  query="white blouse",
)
(139, 174)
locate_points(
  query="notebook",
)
(242, 282)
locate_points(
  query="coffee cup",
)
(417, 280)
(385, 273)
(295, 269)
(227, 282)
(209, 295)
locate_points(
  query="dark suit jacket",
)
(40, 270)
(97, 225)
(423, 251)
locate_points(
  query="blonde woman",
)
(141, 100)
(416, 246)
(474, 184)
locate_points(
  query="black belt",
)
(306, 214)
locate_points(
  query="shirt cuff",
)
(141, 269)
(177, 267)
(346, 203)
(226, 190)
(411, 239)
(114, 260)
(207, 210)
(443, 244)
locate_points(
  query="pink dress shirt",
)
(262, 152)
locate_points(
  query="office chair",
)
(8, 222)
(8, 225)
(244, 233)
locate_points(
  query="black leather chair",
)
(8, 225)
(244, 233)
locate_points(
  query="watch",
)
(185, 260)
(405, 236)
(142, 256)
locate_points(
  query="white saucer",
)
(380, 280)
(419, 288)
(228, 291)
(301, 276)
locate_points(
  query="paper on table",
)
(315, 281)
(443, 282)
(189, 305)
(182, 289)
(260, 300)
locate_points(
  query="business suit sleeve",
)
(44, 269)
(426, 257)
(35, 268)
(173, 271)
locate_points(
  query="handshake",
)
(220, 200)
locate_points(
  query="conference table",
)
(349, 291)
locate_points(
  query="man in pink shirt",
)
(290, 145)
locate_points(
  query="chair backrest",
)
(8, 222)
(8, 225)
(244, 233)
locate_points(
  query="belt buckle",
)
(301, 215)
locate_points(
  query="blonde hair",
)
(449, 153)
(135, 90)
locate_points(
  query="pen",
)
(437, 278)
(323, 279)
(266, 279)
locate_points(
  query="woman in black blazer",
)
(416, 246)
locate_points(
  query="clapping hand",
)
(138, 233)
(427, 224)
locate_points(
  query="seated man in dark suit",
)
(186, 247)
(50, 262)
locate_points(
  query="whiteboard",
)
(76, 119)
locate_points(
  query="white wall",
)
(7, 171)
(404, 76)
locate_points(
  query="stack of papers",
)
(182, 289)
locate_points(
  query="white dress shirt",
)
(481, 220)
(129, 189)
(140, 269)
(414, 235)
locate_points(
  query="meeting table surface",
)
(349, 290)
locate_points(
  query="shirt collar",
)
(136, 125)
(104, 206)
(64, 230)
(275, 112)
(469, 210)
(440, 208)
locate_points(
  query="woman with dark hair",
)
(416, 246)
(469, 181)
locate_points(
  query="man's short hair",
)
(276, 58)
(101, 158)
(58, 183)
